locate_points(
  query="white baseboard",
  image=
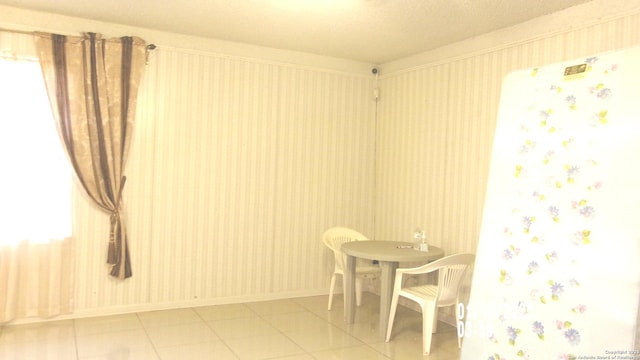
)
(136, 308)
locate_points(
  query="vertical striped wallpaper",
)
(435, 131)
(236, 168)
(238, 165)
(411, 153)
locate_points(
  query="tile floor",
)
(293, 329)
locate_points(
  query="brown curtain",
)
(92, 85)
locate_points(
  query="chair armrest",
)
(423, 269)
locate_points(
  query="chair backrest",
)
(451, 270)
(450, 275)
(334, 237)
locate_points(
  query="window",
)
(35, 176)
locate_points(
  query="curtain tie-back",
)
(113, 255)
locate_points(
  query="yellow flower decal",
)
(582, 237)
(602, 117)
(518, 170)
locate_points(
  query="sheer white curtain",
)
(35, 199)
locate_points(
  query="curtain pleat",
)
(92, 85)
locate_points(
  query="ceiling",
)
(372, 31)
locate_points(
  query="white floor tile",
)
(181, 334)
(296, 357)
(208, 350)
(356, 352)
(126, 355)
(113, 343)
(283, 306)
(168, 317)
(264, 347)
(222, 312)
(297, 322)
(103, 324)
(38, 350)
(55, 331)
(242, 328)
(330, 338)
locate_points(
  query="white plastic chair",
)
(430, 297)
(333, 239)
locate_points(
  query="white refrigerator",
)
(557, 273)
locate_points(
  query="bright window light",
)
(35, 180)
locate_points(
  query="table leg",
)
(350, 288)
(388, 269)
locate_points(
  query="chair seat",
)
(420, 293)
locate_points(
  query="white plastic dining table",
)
(388, 254)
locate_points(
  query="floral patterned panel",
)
(557, 274)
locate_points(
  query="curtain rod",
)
(17, 31)
(149, 46)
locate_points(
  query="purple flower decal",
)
(556, 290)
(527, 146)
(510, 252)
(544, 116)
(571, 101)
(572, 336)
(538, 195)
(555, 88)
(538, 329)
(527, 221)
(591, 60)
(572, 171)
(600, 91)
(587, 211)
(533, 267)
(512, 333)
(549, 156)
(554, 212)
(604, 93)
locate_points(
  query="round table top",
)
(390, 251)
